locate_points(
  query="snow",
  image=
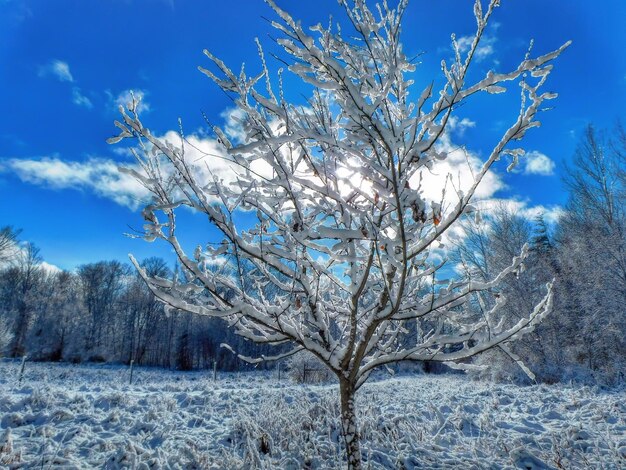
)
(67, 416)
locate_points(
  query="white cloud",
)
(102, 176)
(61, 71)
(551, 214)
(233, 119)
(536, 163)
(461, 165)
(210, 160)
(125, 98)
(459, 126)
(50, 268)
(79, 99)
(57, 68)
(17, 252)
(96, 174)
(485, 47)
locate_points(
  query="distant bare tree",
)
(6, 336)
(102, 286)
(27, 274)
(8, 244)
(592, 255)
(486, 248)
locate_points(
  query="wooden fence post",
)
(22, 370)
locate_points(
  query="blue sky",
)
(66, 65)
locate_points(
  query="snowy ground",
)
(66, 416)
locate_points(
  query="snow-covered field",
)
(65, 416)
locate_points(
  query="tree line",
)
(584, 338)
(101, 312)
(104, 311)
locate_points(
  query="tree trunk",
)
(22, 327)
(349, 427)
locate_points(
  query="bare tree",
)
(102, 284)
(6, 336)
(592, 254)
(595, 178)
(28, 275)
(345, 237)
(487, 248)
(142, 311)
(8, 244)
(58, 317)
